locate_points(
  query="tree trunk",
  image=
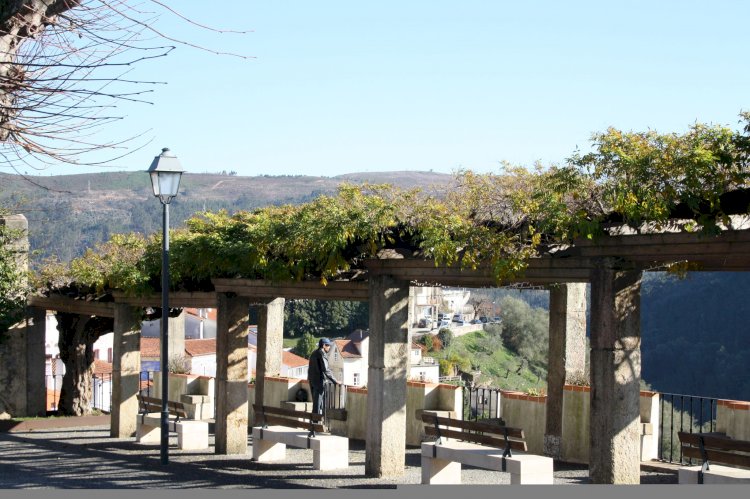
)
(19, 20)
(77, 336)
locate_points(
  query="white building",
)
(348, 360)
(428, 302)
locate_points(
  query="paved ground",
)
(86, 457)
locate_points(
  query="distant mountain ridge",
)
(69, 213)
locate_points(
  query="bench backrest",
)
(289, 417)
(491, 434)
(152, 404)
(715, 449)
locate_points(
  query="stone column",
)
(231, 374)
(388, 361)
(270, 315)
(567, 355)
(177, 336)
(36, 391)
(614, 455)
(126, 371)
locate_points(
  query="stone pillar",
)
(231, 374)
(270, 315)
(386, 380)
(567, 355)
(126, 371)
(20, 246)
(177, 336)
(614, 455)
(36, 391)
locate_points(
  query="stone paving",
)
(86, 457)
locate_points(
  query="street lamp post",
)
(165, 173)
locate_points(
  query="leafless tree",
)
(64, 67)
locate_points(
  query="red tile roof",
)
(206, 346)
(348, 349)
(102, 367)
(150, 348)
(292, 360)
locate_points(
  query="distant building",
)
(348, 360)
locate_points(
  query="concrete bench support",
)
(441, 464)
(329, 451)
(715, 474)
(191, 435)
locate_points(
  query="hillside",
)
(69, 213)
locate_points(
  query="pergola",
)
(612, 265)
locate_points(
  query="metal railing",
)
(481, 403)
(102, 392)
(685, 413)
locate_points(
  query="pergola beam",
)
(314, 290)
(70, 305)
(177, 299)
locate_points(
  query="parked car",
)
(476, 321)
(457, 317)
(424, 322)
(497, 320)
(484, 320)
(444, 323)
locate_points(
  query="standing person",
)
(318, 374)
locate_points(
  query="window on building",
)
(109, 356)
(96, 354)
(355, 382)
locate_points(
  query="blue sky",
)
(345, 86)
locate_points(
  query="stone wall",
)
(13, 347)
(733, 418)
(13, 373)
(528, 412)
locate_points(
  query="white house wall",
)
(203, 365)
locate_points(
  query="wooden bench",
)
(281, 427)
(714, 450)
(191, 434)
(480, 444)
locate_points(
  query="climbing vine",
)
(630, 178)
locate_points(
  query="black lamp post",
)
(165, 173)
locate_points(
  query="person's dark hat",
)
(324, 341)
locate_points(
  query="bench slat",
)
(280, 411)
(717, 456)
(293, 423)
(714, 441)
(477, 438)
(473, 425)
(152, 404)
(177, 408)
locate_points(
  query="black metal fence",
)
(481, 403)
(686, 413)
(101, 390)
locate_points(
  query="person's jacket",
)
(318, 371)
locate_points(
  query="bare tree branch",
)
(64, 66)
